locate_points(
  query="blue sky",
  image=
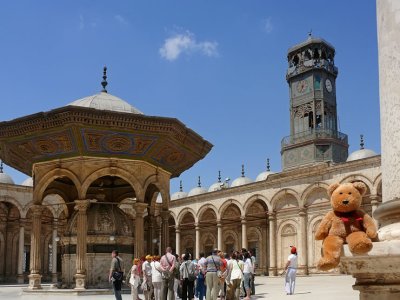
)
(218, 66)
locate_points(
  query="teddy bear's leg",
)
(359, 242)
(331, 249)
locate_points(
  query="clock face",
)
(302, 86)
(328, 85)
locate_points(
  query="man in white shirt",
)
(291, 269)
(147, 272)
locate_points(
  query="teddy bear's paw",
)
(326, 264)
(361, 247)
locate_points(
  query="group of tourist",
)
(172, 276)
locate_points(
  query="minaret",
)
(314, 135)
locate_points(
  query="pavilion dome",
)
(362, 153)
(106, 101)
(28, 182)
(197, 190)
(242, 180)
(264, 175)
(5, 178)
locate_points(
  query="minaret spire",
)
(104, 83)
(268, 166)
(219, 176)
(1, 166)
(243, 170)
(199, 182)
(180, 186)
(361, 141)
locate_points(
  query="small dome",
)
(178, 195)
(360, 154)
(105, 101)
(28, 182)
(5, 178)
(241, 180)
(264, 175)
(197, 190)
(219, 185)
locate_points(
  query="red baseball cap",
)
(293, 250)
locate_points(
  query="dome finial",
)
(219, 176)
(242, 170)
(180, 186)
(361, 141)
(268, 166)
(310, 34)
(199, 182)
(104, 83)
(1, 166)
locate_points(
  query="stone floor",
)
(312, 287)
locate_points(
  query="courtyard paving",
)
(311, 287)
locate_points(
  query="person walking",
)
(291, 270)
(212, 264)
(247, 274)
(134, 279)
(167, 265)
(116, 274)
(222, 276)
(235, 275)
(188, 275)
(201, 276)
(156, 277)
(147, 285)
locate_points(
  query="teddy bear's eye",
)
(349, 193)
(341, 193)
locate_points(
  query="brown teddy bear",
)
(347, 223)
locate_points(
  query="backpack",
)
(176, 271)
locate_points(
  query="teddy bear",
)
(346, 223)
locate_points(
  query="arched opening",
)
(187, 226)
(208, 225)
(231, 221)
(288, 236)
(257, 235)
(9, 237)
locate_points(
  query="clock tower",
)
(314, 135)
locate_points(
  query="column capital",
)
(23, 222)
(81, 205)
(197, 226)
(271, 216)
(243, 220)
(165, 214)
(140, 207)
(219, 224)
(177, 229)
(375, 199)
(303, 212)
(37, 210)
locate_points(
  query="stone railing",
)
(313, 134)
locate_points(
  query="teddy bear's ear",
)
(332, 188)
(361, 187)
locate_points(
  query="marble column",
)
(164, 230)
(303, 258)
(244, 233)
(35, 259)
(81, 244)
(178, 240)
(54, 274)
(3, 222)
(377, 274)
(219, 236)
(139, 229)
(21, 246)
(272, 245)
(197, 246)
(150, 236)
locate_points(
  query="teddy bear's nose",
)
(345, 202)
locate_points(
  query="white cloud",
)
(81, 22)
(121, 19)
(186, 42)
(267, 25)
